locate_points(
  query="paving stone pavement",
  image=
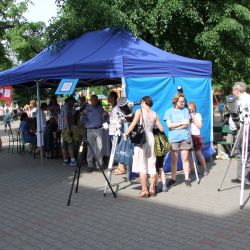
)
(34, 214)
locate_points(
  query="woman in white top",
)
(144, 156)
(195, 126)
(33, 107)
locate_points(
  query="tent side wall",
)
(162, 90)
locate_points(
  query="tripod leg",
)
(76, 173)
(222, 181)
(72, 185)
(237, 141)
(242, 184)
(79, 164)
(111, 160)
(195, 166)
(236, 144)
(194, 160)
(100, 167)
(244, 160)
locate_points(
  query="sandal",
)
(152, 193)
(144, 194)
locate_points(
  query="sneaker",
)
(188, 183)
(164, 188)
(72, 163)
(66, 162)
(205, 173)
(171, 183)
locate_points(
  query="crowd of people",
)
(65, 126)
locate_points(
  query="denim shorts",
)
(181, 145)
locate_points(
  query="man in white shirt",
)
(243, 102)
(114, 126)
(114, 113)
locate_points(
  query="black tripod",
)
(83, 148)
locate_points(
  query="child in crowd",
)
(50, 137)
(159, 164)
(195, 126)
(7, 120)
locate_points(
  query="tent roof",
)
(108, 53)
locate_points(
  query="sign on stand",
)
(66, 87)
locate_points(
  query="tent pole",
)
(38, 121)
(123, 86)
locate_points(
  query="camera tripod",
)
(85, 145)
(244, 134)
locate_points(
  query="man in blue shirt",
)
(178, 121)
(92, 118)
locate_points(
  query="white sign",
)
(7, 93)
(66, 86)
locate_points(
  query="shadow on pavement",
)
(34, 214)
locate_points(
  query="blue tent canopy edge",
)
(107, 53)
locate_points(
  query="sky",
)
(41, 10)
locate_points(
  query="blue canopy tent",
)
(115, 53)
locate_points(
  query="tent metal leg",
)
(39, 128)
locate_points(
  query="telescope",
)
(233, 109)
(126, 108)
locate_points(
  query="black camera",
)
(180, 89)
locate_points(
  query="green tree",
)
(26, 40)
(20, 41)
(11, 15)
(23, 95)
(213, 30)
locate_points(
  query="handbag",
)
(124, 152)
(138, 136)
(161, 146)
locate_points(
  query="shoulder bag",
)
(138, 136)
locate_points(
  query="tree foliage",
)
(20, 41)
(27, 40)
(10, 17)
(23, 95)
(213, 30)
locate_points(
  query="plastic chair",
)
(14, 138)
(23, 143)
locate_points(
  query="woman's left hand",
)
(125, 136)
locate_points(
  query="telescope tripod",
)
(85, 145)
(194, 160)
(244, 134)
(110, 165)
